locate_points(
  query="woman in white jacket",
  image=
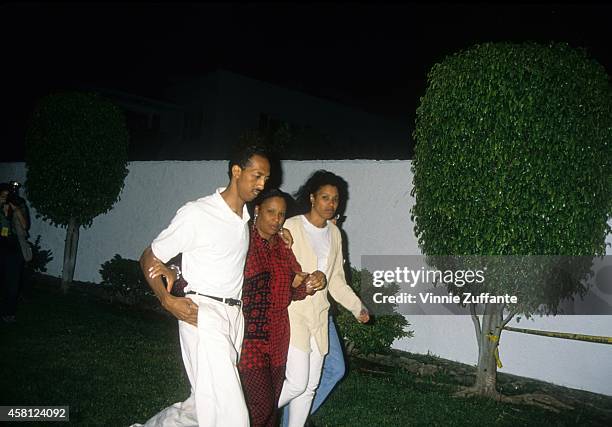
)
(317, 246)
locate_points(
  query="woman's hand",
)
(160, 269)
(315, 281)
(298, 279)
(364, 316)
(286, 236)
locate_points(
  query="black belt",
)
(228, 301)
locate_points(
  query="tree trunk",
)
(490, 332)
(70, 252)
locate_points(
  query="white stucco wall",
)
(378, 222)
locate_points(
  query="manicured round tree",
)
(76, 158)
(513, 157)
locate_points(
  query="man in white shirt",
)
(212, 234)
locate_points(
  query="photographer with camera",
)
(14, 223)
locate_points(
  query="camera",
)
(13, 192)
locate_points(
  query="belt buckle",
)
(232, 302)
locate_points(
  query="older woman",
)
(317, 246)
(272, 279)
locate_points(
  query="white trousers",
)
(210, 355)
(302, 376)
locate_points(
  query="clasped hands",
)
(314, 281)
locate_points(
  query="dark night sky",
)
(374, 57)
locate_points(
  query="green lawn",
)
(115, 365)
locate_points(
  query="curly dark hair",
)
(318, 179)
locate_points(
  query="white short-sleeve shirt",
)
(214, 242)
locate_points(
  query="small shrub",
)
(378, 335)
(40, 258)
(125, 278)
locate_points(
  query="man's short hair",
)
(241, 156)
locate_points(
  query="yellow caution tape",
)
(495, 339)
(569, 336)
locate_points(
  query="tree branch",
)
(508, 317)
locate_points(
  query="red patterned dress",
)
(266, 294)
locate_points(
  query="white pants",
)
(302, 374)
(210, 355)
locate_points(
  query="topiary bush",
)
(379, 334)
(76, 158)
(513, 157)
